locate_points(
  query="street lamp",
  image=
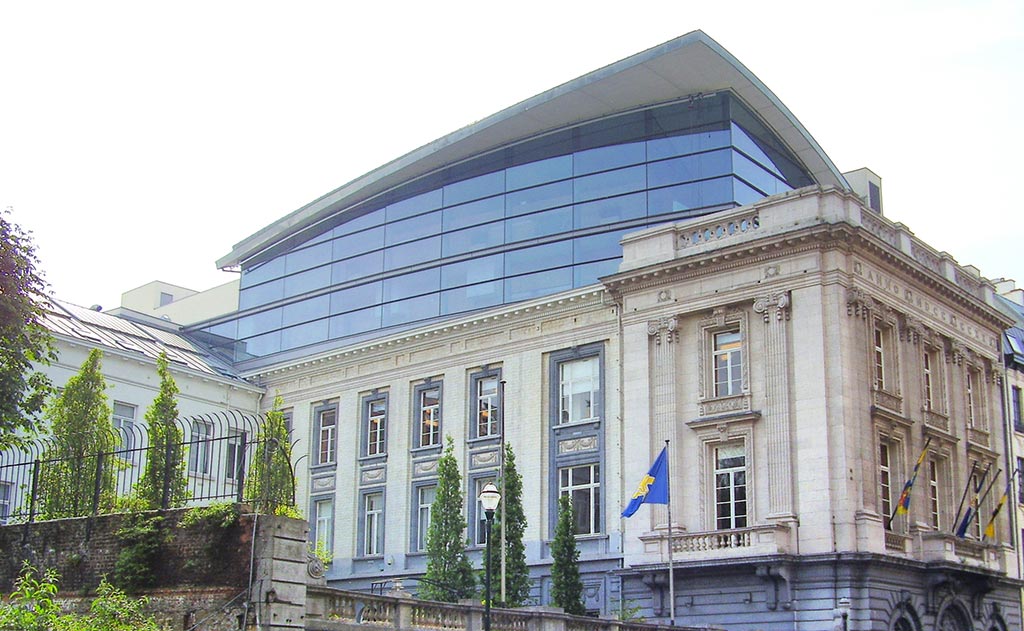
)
(489, 499)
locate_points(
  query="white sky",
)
(140, 141)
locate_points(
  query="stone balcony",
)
(760, 540)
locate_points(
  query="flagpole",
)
(671, 569)
(501, 476)
(967, 487)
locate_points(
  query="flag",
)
(903, 504)
(961, 530)
(990, 527)
(653, 488)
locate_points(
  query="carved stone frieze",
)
(574, 445)
(712, 407)
(372, 476)
(774, 306)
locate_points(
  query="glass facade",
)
(531, 219)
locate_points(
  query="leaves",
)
(566, 585)
(449, 575)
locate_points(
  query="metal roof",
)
(688, 65)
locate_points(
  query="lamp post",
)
(489, 498)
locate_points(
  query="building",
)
(655, 251)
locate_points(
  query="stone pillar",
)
(282, 572)
(664, 338)
(774, 309)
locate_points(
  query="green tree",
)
(566, 586)
(165, 464)
(517, 573)
(449, 575)
(79, 460)
(24, 341)
(270, 486)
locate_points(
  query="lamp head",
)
(489, 497)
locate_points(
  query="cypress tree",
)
(449, 575)
(517, 573)
(270, 486)
(164, 458)
(83, 442)
(566, 586)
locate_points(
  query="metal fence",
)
(216, 453)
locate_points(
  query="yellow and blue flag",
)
(653, 488)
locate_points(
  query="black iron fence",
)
(211, 463)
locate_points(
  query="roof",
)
(100, 329)
(688, 65)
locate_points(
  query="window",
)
(124, 423)
(326, 435)
(199, 453)
(1015, 409)
(730, 487)
(728, 363)
(373, 523)
(479, 518)
(376, 419)
(234, 460)
(424, 500)
(885, 481)
(933, 494)
(880, 372)
(486, 420)
(428, 414)
(323, 512)
(5, 501)
(583, 485)
(929, 385)
(579, 387)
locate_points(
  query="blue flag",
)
(653, 488)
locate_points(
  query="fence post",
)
(35, 490)
(98, 486)
(240, 468)
(165, 500)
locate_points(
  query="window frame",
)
(589, 352)
(711, 402)
(200, 448)
(1015, 409)
(124, 426)
(476, 517)
(733, 502)
(320, 522)
(592, 489)
(885, 375)
(419, 421)
(374, 442)
(328, 457)
(476, 379)
(364, 550)
(235, 445)
(417, 529)
(6, 501)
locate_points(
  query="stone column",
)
(664, 338)
(774, 309)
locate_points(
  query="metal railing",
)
(213, 458)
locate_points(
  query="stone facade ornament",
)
(664, 330)
(859, 303)
(776, 304)
(912, 330)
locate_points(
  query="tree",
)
(78, 462)
(165, 464)
(517, 573)
(24, 339)
(566, 586)
(449, 575)
(270, 486)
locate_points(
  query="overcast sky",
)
(140, 141)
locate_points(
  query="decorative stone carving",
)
(325, 483)
(912, 330)
(574, 445)
(664, 329)
(774, 303)
(665, 295)
(371, 476)
(859, 303)
(484, 459)
(424, 467)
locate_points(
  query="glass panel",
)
(374, 218)
(355, 297)
(309, 333)
(598, 246)
(690, 143)
(538, 257)
(471, 297)
(259, 322)
(470, 239)
(414, 205)
(557, 168)
(588, 274)
(674, 171)
(261, 294)
(414, 228)
(673, 199)
(410, 310)
(474, 188)
(358, 243)
(742, 141)
(472, 271)
(609, 183)
(539, 284)
(354, 322)
(412, 253)
(473, 213)
(412, 284)
(744, 194)
(260, 345)
(298, 260)
(357, 267)
(539, 198)
(310, 280)
(305, 310)
(604, 158)
(612, 210)
(757, 176)
(716, 192)
(273, 268)
(538, 224)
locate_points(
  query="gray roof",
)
(688, 65)
(94, 328)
